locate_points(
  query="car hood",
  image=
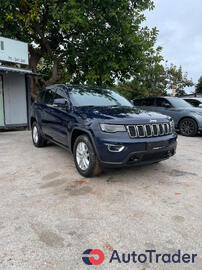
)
(120, 115)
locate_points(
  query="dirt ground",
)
(49, 214)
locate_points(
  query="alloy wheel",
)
(35, 135)
(187, 127)
(82, 156)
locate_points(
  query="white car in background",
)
(194, 101)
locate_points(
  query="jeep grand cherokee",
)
(101, 128)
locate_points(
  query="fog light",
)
(115, 148)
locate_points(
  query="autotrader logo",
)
(96, 257)
(91, 260)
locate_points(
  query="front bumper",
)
(136, 151)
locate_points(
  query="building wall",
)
(1, 103)
(15, 99)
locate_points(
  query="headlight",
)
(112, 128)
(199, 113)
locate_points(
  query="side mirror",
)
(132, 102)
(60, 102)
(200, 105)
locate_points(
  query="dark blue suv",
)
(101, 128)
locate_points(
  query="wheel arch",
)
(185, 117)
(76, 133)
(32, 120)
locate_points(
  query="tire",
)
(85, 158)
(188, 127)
(37, 138)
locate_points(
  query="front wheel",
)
(188, 127)
(85, 157)
(37, 138)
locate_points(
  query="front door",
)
(163, 106)
(60, 117)
(1, 103)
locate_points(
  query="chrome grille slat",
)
(149, 130)
(138, 131)
(161, 127)
(155, 130)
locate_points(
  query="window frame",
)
(66, 97)
(53, 91)
(167, 101)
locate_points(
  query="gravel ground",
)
(49, 214)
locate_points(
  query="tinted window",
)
(161, 102)
(41, 97)
(148, 102)
(137, 102)
(49, 96)
(97, 97)
(60, 93)
(193, 102)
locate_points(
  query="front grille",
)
(149, 130)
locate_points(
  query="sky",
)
(180, 33)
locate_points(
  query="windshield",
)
(97, 97)
(179, 103)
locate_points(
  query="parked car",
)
(101, 128)
(196, 102)
(188, 120)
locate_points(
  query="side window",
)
(148, 102)
(143, 102)
(41, 97)
(60, 93)
(193, 102)
(49, 97)
(137, 102)
(162, 102)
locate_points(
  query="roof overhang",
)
(5, 69)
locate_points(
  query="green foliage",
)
(94, 42)
(156, 79)
(199, 86)
(177, 79)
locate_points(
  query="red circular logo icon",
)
(91, 260)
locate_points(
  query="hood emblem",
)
(153, 121)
